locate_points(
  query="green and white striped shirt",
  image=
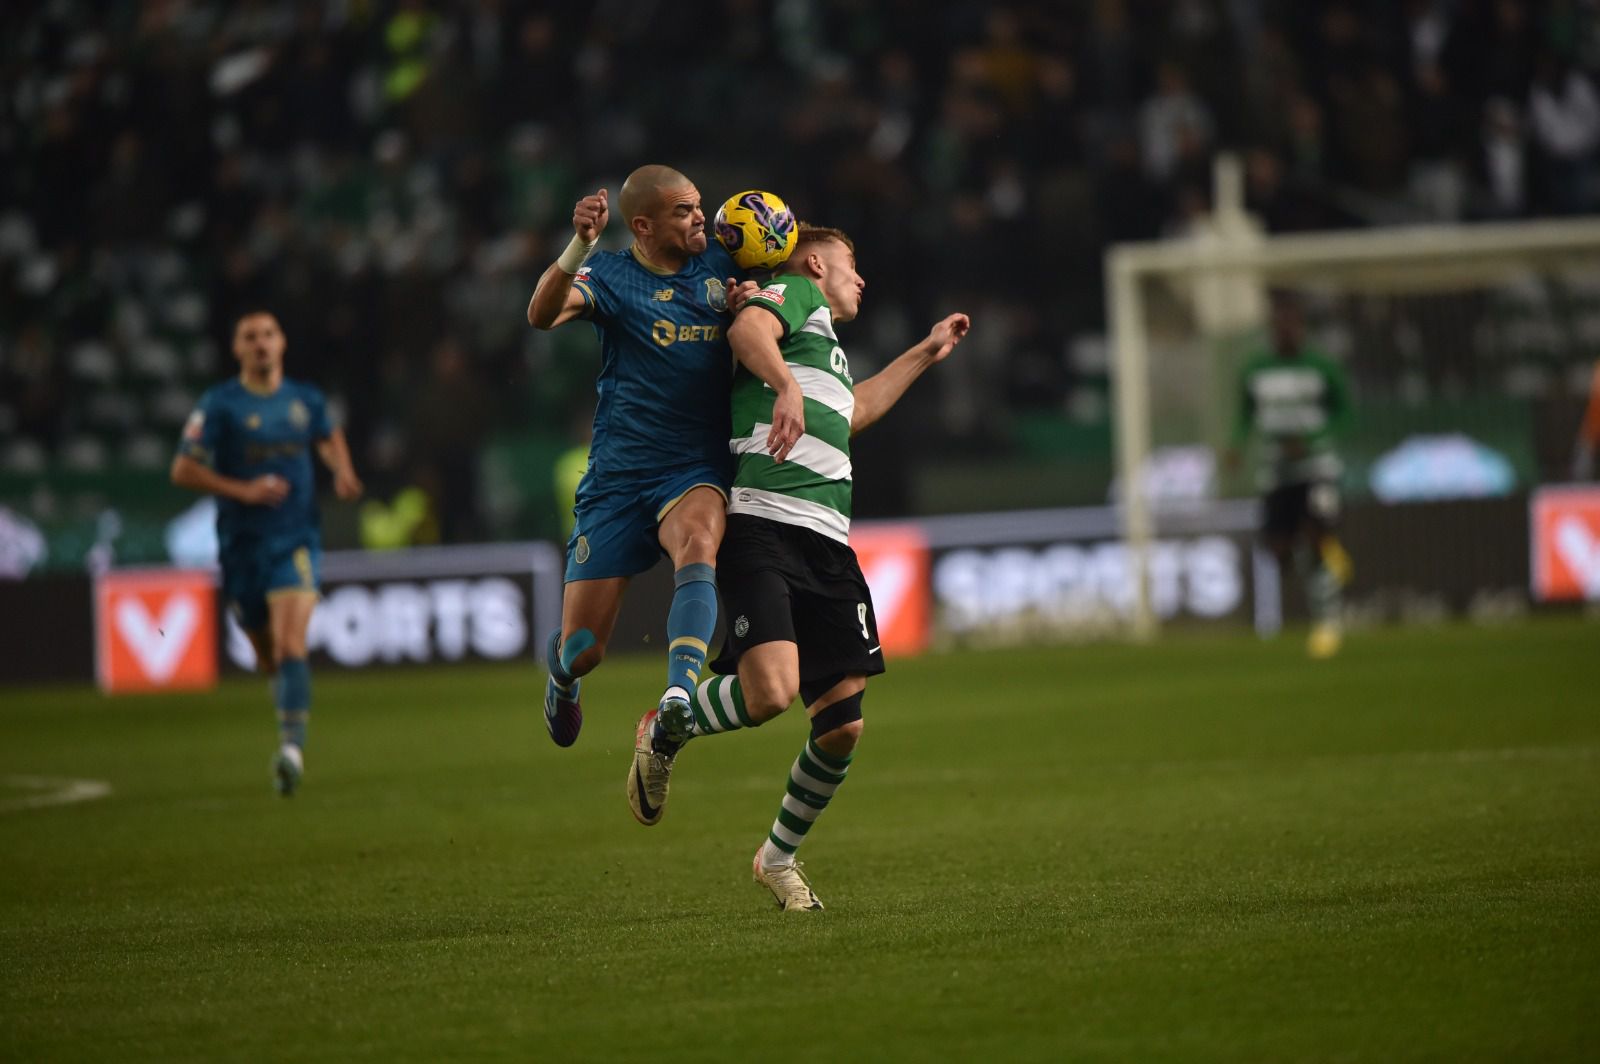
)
(811, 488)
(1296, 405)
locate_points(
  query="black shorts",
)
(785, 583)
(1310, 505)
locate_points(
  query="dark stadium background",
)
(390, 178)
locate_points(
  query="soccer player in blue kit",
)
(659, 465)
(249, 443)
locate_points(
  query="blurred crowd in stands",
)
(391, 177)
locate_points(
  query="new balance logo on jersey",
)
(663, 295)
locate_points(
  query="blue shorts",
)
(249, 578)
(618, 516)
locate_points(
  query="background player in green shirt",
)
(798, 611)
(1295, 400)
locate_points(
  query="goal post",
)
(1437, 317)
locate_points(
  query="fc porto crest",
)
(580, 552)
(299, 416)
(716, 294)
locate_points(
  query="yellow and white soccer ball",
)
(758, 229)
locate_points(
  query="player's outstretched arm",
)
(262, 491)
(754, 337)
(554, 302)
(876, 395)
(335, 454)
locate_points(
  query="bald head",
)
(644, 190)
(662, 210)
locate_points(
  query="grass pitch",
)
(1210, 849)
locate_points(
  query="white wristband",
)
(578, 250)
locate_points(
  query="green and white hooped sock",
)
(718, 706)
(813, 779)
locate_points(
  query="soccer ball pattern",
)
(758, 229)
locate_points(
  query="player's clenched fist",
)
(589, 216)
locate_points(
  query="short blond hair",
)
(821, 234)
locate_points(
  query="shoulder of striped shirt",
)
(820, 323)
(786, 509)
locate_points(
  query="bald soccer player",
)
(659, 464)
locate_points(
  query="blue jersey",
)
(245, 435)
(666, 365)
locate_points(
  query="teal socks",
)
(291, 691)
(690, 623)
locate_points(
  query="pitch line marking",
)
(55, 790)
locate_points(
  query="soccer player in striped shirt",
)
(1297, 401)
(798, 611)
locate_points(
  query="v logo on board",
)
(1565, 530)
(158, 642)
(1579, 547)
(155, 629)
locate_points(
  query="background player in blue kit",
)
(249, 444)
(659, 465)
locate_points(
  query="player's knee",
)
(837, 727)
(768, 695)
(699, 545)
(843, 739)
(266, 655)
